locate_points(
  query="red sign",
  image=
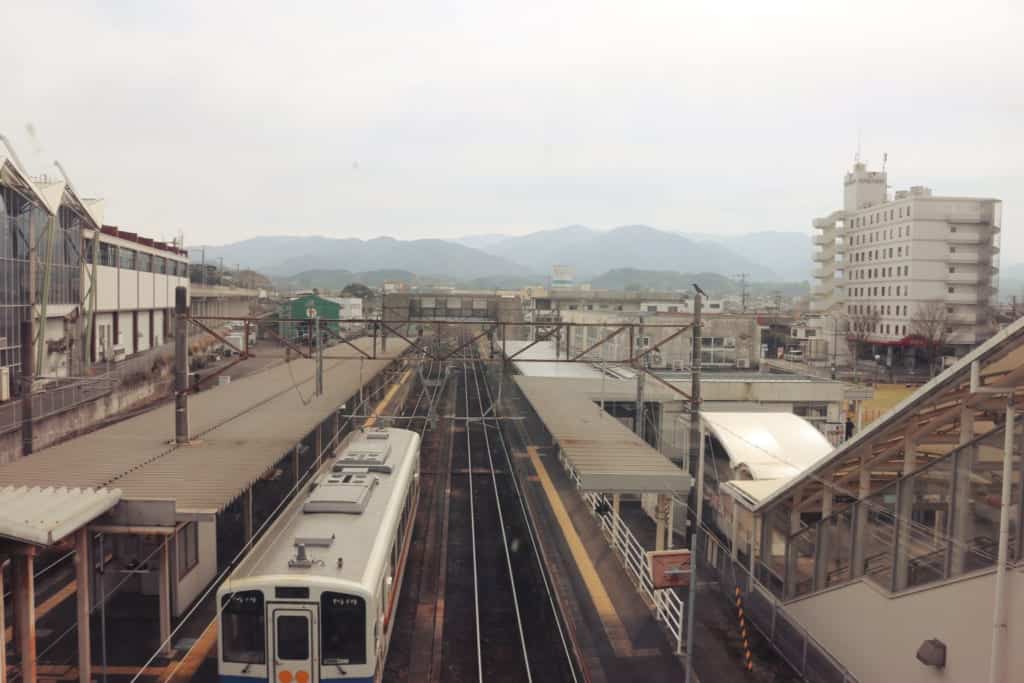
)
(669, 568)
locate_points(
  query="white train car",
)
(314, 600)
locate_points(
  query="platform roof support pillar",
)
(904, 523)
(861, 524)
(821, 550)
(794, 527)
(165, 598)
(247, 516)
(82, 604)
(24, 614)
(660, 512)
(962, 516)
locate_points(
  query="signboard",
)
(669, 568)
(856, 392)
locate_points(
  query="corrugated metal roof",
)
(43, 516)
(605, 454)
(241, 429)
(538, 356)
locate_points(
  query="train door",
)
(293, 643)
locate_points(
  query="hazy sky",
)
(421, 118)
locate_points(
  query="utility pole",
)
(27, 380)
(696, 451)
(319, 358)
(180, 366)
(743, 291)
(638, 366)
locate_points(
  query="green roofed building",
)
(329, 309)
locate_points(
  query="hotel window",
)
(952, 228)
(952, 269)
(952, 290)
(908, 213)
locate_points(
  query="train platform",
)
(185, 511)
(613, 625)
(613, 629)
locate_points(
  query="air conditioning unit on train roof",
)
(347, 491)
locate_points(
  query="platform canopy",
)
(605, 454)
(767, 445)
(43, 516)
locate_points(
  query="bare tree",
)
(860, 327)
(930, 323)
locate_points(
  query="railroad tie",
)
(748, 659)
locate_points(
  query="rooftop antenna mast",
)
(885, 158)
(856, 157)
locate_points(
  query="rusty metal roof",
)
(240, 430)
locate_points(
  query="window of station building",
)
(243, 628)
(160, 265)
(949, 309)
(145, 263)
(952, 290)
(952, 228)
(126, 258)
(108, 254)
(952, 269)
(343, 629)
(87, 250)
(186, 543)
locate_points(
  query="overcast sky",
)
(418, 118)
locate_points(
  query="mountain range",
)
(763, 256)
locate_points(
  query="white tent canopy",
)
(767, 445)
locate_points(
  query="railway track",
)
(500, 619)
(476, 604)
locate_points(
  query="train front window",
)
(343, 628)
(292, 637)
(243, 628)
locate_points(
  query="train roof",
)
(357, 493)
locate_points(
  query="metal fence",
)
(795, 645)
(665, 603)
(61, 395)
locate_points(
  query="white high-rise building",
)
(897, 265)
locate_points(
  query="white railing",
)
(665, 603)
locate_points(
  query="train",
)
(314, 600)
